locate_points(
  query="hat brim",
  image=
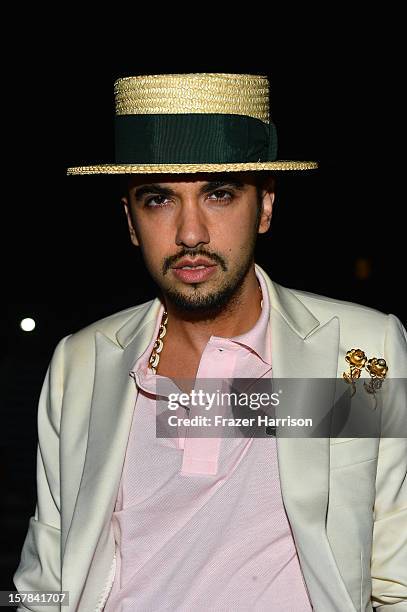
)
(278, 165)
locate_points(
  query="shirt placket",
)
(201, 454)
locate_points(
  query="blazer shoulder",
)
(324, 308)
(108, 325)
(376, 332)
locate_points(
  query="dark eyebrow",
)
(167, 191)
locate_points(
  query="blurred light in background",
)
(363, 268)
(27, 324)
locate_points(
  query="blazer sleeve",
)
(389, 552)
(40, 564)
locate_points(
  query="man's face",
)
(197, 233)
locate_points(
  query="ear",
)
(132, 231)
(267, 207)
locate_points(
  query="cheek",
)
(236, 234)
(155, 244)
(152, 234)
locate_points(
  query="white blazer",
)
(345, 498)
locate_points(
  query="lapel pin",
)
(356, 359)
(377, 369)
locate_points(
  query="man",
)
(127, 520)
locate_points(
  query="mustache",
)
(173, 259)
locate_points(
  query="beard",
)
(209, 304)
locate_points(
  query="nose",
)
(192, 229)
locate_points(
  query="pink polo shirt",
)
(199, 523)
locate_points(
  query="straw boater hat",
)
(201, 122)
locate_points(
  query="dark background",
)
(67, 257)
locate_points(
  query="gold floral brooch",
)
(376, 367)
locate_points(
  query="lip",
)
(194, 275)
(194, 261)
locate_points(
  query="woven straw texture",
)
(190, 168)
(238, 94)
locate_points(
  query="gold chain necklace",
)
(159, 344)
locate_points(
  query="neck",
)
(237, 317)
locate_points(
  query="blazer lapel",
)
(304, 349)
(89, 546)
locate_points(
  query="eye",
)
(223, 193)
(149, 201)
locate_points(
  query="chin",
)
(200, 301)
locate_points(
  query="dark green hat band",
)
(193, 139)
